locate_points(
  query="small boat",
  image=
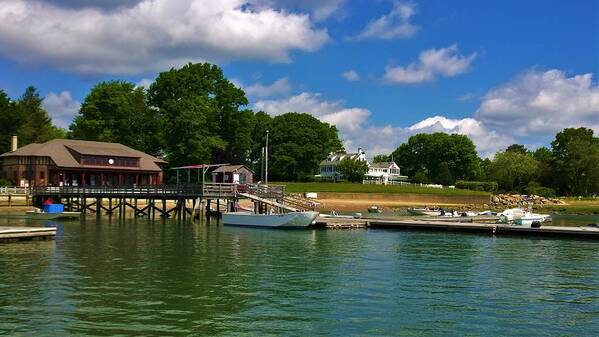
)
(374, 209)
(520, 217)
(425, 211)
(37, 215)
(286, 220)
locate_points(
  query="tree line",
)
(569, 167)
(190, 115)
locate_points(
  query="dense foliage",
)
(352, 170)
(25, 118)
(570, 167)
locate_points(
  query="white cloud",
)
(61, 108)
(279, 87)
(469, 96)
(144, 83)
(151, 34)
(351, 75)
(356, 130)
(542, 103)
(395, 24)
(319, 9)
(445, 62)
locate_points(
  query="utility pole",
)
(266, 161)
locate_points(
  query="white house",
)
(378, 173)
(384, 173)
(328, 167)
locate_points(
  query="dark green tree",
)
(381, 158)
(229, 126)
(426, 152)
(444, 176)
(576, 154)
(9, 121)
(518, 148)
(33, 122)
(262, 123)
(117, 111)
(420, 177)
(353, 170)
(298, 143)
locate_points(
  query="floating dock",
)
(341, 223)
(492, 228)
(14, 234)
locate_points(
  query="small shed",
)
(237, 174)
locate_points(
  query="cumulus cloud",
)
(356, 130)
(395, 24)
(432, 63)
(278, 87)
(542, 103)
(333, 112)
(351, 75)
(61, 108)
(151, 35)
(319, 9)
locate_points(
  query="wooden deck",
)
(13, 234)
(496, 229)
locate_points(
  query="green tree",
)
(381, 158)
(518, 148)
(352, 170)
(9, 121)
(420, 177)
(545, 174)
(444, 176)
(117, 111)
(298, 143)
(513, 170)
(33, 122)
(228, 126)
(426, 152)
(576, 154)
(262, 123)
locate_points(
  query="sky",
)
(501, 72)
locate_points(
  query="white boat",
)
(521, 217)
(424, 211)
(287, 220)
(335, 215)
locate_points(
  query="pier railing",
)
(13, 190)
(154, 191)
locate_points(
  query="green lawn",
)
(294, 187)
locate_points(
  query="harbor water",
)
(101, 278)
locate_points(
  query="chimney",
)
(14, 144)
(359, 150)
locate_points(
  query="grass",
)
(295, 187)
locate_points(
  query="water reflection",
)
(109, 277)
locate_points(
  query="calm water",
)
(156, 279)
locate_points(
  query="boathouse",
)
(67, 162)
(237, 174)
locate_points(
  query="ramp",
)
(268, 202)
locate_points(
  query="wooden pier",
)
(13, 234)
(180, 201)
(492, 228)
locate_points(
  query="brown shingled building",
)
(66, 162)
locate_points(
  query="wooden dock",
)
(341, 223)
(492, 228)
(14, 234)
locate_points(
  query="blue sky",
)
(498, 71)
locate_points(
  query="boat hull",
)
(51, 216)
(288, 220)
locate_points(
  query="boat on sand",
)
(286, 220)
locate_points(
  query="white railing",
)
(13, 190)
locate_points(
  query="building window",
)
(42, 175)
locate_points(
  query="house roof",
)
(387, 164)
(60, 151)
(231, 168)
(336, 158)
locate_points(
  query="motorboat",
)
(374, 209)
(424, 211)
(522, 217)
(284, 220)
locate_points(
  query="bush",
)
(420, 178)
(536, 189)
(486, 186)
(6, 182)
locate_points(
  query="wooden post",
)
(164, 207)
(98, 203)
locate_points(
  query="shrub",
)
(536, 189)
(6, 182)
(420, 178)
(486, 186)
